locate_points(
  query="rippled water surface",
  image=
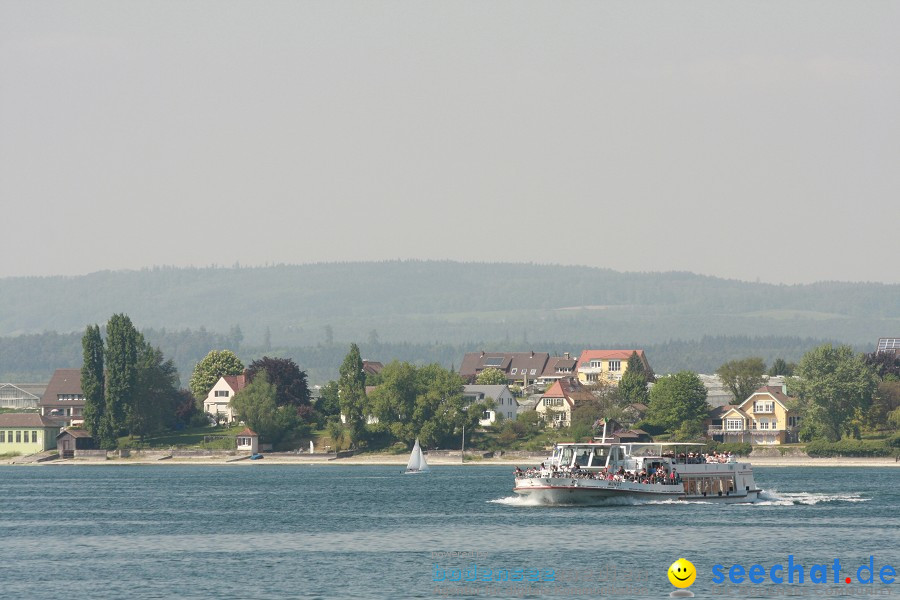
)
(277, 531)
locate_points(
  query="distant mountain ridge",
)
(429, 301)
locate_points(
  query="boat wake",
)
(776, 498)
(525, 501)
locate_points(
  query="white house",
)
(219, 397)
(506, 404)
(248, 441)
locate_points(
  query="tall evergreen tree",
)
(93, 380)
(633, 384)
(352, 393)
(122, 341)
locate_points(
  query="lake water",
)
(277, 531)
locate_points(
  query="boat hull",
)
(590, 491)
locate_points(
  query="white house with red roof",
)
(596, 366)
(218, 400)
(248, 441)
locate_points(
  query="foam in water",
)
(622, 501)
(766, 498)
(776, 498)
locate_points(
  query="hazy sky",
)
(746, 140)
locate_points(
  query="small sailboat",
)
(416, 462)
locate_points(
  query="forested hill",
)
(449, 302)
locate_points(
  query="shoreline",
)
(401, 460)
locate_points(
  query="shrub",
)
(859, 448)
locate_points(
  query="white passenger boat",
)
(594, 472)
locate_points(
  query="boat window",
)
(566, 459)
(600, 455)
(582, 458)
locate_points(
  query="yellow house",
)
(27, 433)
(596, 366)
(762, 419)
(558, 402)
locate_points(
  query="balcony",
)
(719, 430)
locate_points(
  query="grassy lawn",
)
(186, 438)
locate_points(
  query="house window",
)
(792, 422)
(763, 424)
(534, 371)
(34, 437)
(592, 377)
(18, 437)
(515, 370)
(221, 394)
(596, 364)
(509, 415)
(546, 401)
(734, 424)
(615, 365)
(557, 401)
(2, 437)
(486, 415)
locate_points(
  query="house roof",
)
(588, 355)
(75, 433)
(559, 362)
(248, 432)
(638, 407)
(734, 409)
(235, 382)
(719, 411)
(769, 390)
(475, 362)
(372, 367)
(569, 389)
(489, 391)
(26, 420)
(64, 381)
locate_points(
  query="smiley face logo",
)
(682, 573)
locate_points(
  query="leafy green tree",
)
(491, 376)
(329, 403)
(352, 394)
(633, 385)
(122, 341)
(781, 367)
(836, 387)
(92, 384)
(678, 402)
(290, 384)
(256, 405)
(743, 377)
(155, 400)
(885, 401)
(424, 402)
(216, 364)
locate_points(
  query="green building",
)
(27, 433)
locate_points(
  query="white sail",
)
(416, 462)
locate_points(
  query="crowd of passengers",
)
(660, 475)
(698, 458)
